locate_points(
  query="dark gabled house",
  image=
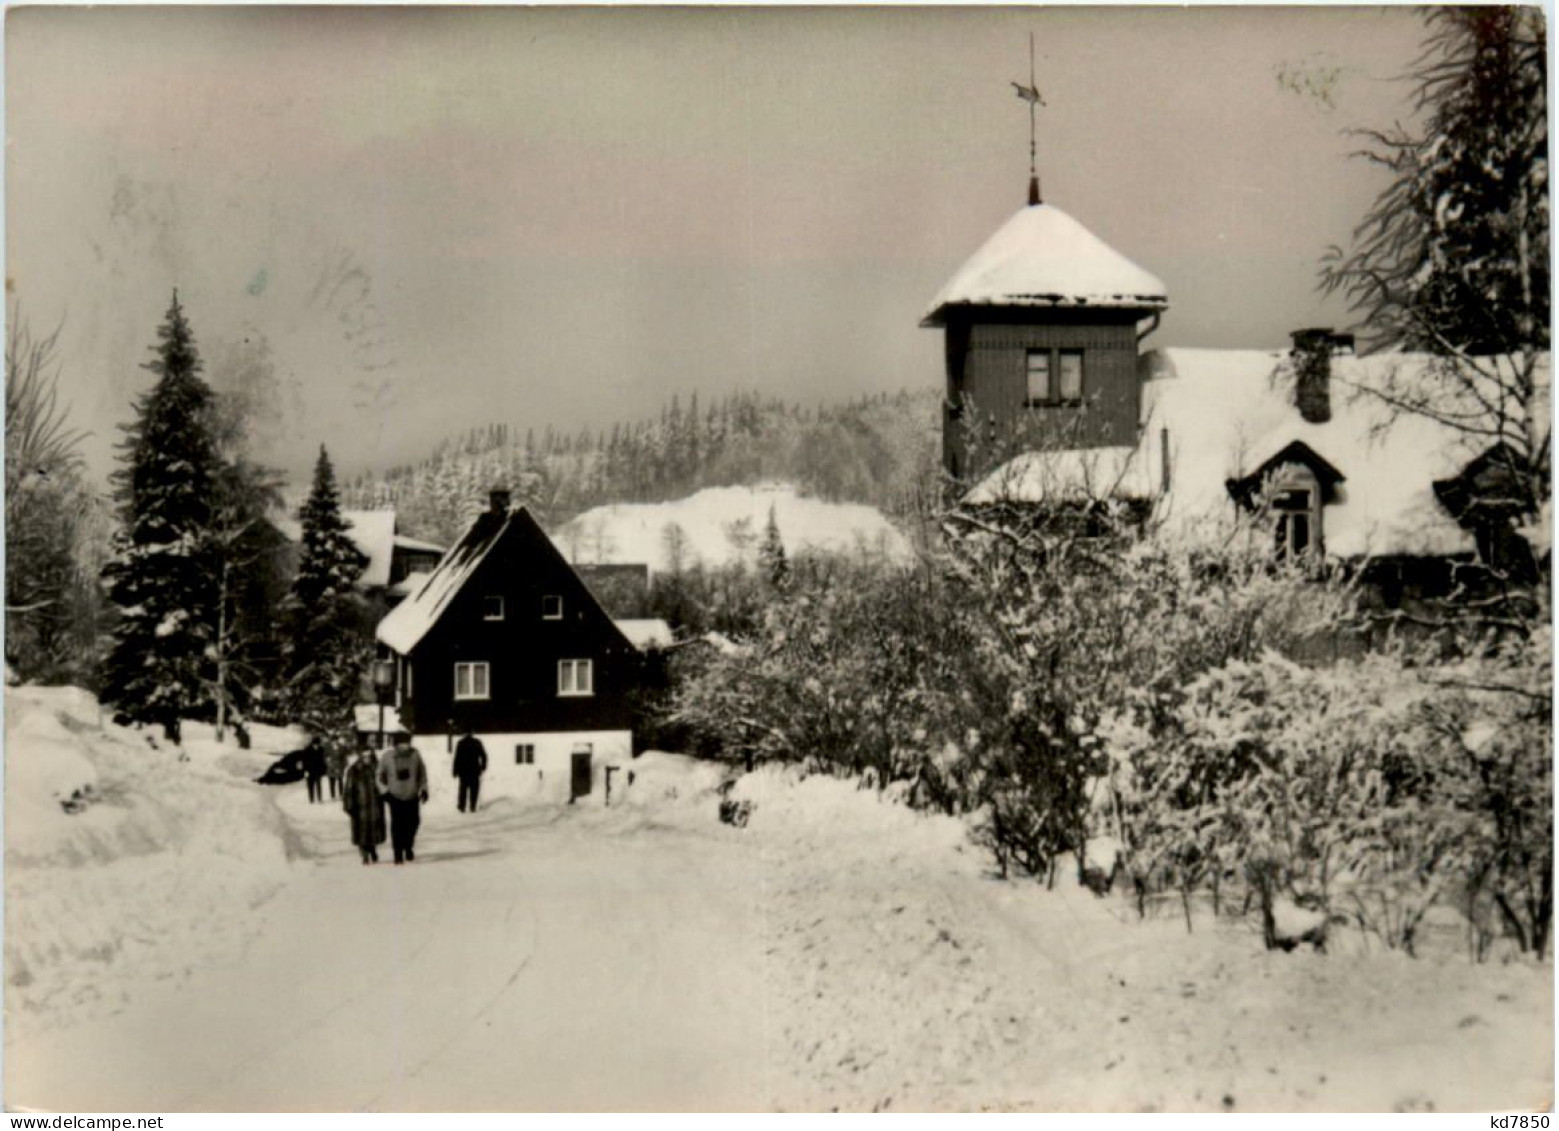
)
(504, 638)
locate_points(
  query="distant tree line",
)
(880, 450)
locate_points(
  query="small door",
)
(581, 782)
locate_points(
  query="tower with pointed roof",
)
(1041, 330)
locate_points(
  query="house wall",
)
(987, 366)
(522, 650)
(548, 779)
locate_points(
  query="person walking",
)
(361, 799)
(470, 765)
(403, 778)
(335, 767)
(314, 768)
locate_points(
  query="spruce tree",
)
(771, 554)
(326, 651)
(160, 577)
(1453, 256)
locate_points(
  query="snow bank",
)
(637, 532)
(157, 871)
(903, 975)
(666, 784)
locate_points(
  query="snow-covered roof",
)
(1043, 257)
(402, 542)
(365, 717)
(409, 622)
(409, 583)
(373, 533)
(1226, 413)
(645, 633)
(406, 624)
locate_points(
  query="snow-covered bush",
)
(845, 672)
(1074, 613)
(1370, 790)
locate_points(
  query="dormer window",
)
(552, 608)
(1294, 504)
(492, 608)
(1291, 488)
(1292, 511)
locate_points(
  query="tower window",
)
(1055, 377)
(1071, 391)
(1039, 390)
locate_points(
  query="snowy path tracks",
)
(525, 961)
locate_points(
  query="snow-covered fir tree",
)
(159, 576)
(326, 651)
(1453, 257)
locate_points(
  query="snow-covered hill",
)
(720, 525)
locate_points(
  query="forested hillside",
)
(880, 450)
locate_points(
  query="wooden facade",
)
(989, 414)
(493, 658)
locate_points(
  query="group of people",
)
(399, 782)
(321, 764)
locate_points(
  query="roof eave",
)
(1148, 304)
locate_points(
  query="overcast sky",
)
(425, 220)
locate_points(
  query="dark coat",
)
(470, 758)
(314, 760)
(362, 801)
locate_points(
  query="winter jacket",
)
(360, 798)
(402, 774)
(470, 758)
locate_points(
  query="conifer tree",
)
(326, 650)
(771, 554)
(159, 576)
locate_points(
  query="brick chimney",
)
(1313, 372)
(498, 500)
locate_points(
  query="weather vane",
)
(1031, 95)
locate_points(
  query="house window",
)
(1292, 510)
(1054, 378)
(1071, 377)
(471, 681)
(576, 677)
(492, 608)
(525, 754)
(1039, 390)
(552, 608)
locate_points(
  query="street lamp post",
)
(384, 682)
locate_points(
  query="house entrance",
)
(580, 786)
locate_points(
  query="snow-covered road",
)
(191, 941)
(614, 977)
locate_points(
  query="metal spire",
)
(1031, 95)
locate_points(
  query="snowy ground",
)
(839, 951)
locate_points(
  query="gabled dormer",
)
(1294, 486)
